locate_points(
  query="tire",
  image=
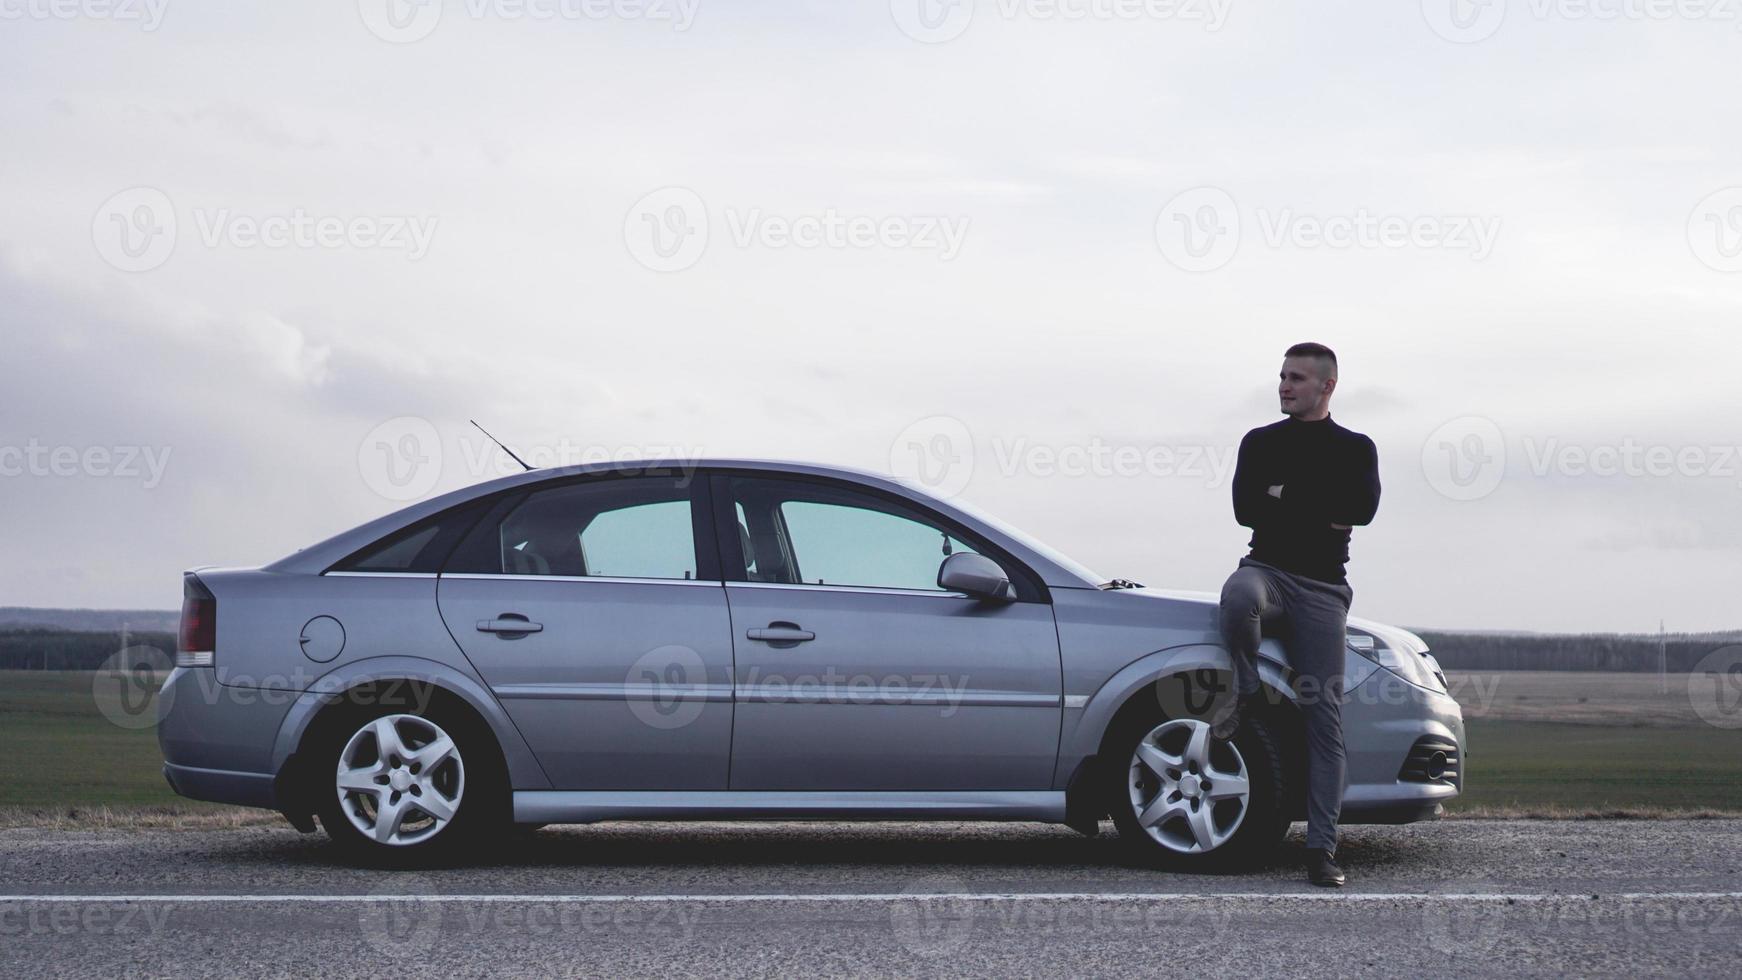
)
(1187, 811)
(440, 780)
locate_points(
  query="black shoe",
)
(1228, 722)
(1322, 871)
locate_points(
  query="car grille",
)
(1432, 759)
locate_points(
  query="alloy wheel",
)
(1190, 791)
(400, 779)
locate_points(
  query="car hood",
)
(1395, 637)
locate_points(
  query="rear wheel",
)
(1184, 799)
(403, 788)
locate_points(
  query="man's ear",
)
(1330, 386)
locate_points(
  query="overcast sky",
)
(274, 256)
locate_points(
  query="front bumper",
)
(1383, 721)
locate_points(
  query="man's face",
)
(1303, 388)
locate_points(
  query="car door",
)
(854, 671)
(584, 607)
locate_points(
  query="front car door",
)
(588, 609)
(854, 671)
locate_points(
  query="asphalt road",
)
(1462, 898)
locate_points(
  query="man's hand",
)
(1275, 491)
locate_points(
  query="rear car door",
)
(602, 628)
(854, 671)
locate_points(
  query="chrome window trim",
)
(381, 574)
(861, 589)
(486, 576)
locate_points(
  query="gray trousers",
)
(1311, 618)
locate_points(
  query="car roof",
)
(1054, 569)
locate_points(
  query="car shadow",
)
(815, 845)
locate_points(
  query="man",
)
(1300, 484)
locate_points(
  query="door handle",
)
(510, 624)
(787, 633)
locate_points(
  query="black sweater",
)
(1328, 474)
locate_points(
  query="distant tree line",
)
(47, 649)
(1682, 652)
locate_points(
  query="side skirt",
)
(578, 806)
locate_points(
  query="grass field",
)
(1539, 742)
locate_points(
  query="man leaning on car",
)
(1300, 484)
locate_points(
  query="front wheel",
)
(404, 789)
(1184, 799)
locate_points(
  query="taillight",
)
(199, 625)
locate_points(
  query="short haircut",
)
(1324, 354)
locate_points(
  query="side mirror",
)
(977, 576)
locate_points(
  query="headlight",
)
(1419, 669)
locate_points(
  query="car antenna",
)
(498, 442)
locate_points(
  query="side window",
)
(618, 528)
(811, 534)
(422, 547)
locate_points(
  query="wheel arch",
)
(428, 677)
(1134, 689)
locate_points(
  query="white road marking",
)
(1331, 896)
